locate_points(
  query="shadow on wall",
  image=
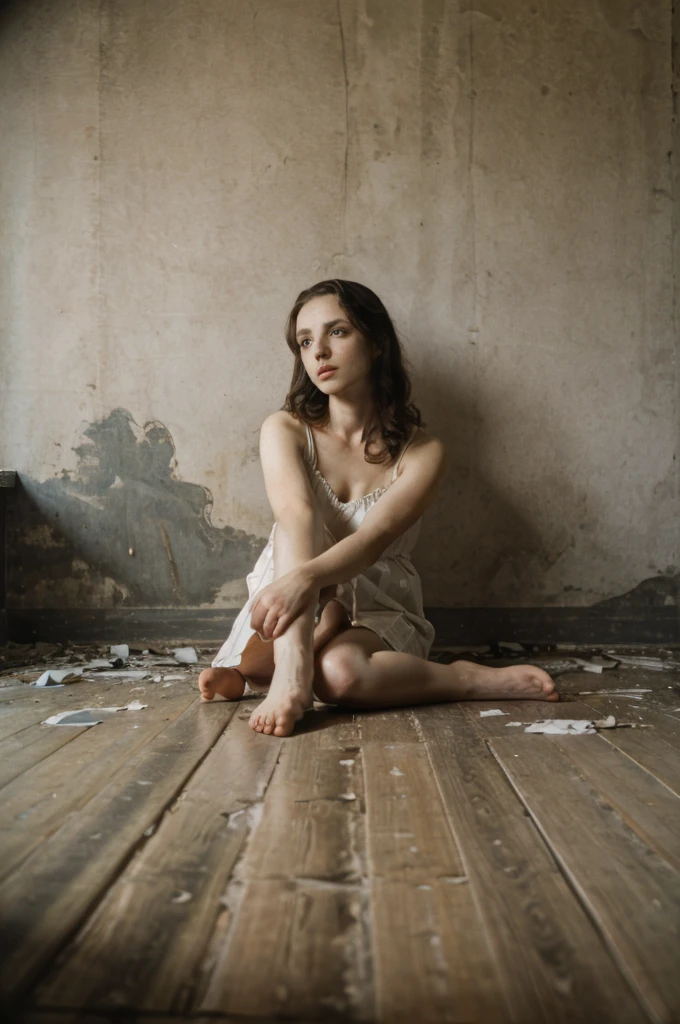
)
(475, 536)
(482, 550)
(121, 531)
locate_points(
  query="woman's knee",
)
(339, 675)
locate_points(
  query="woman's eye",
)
(305, 343)
(338, 330)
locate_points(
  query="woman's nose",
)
(322, 348)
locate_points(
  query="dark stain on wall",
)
(121, 530)
(655, 592)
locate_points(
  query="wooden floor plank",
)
(408, 834)
(297, 950)
(296, 942)
(528, 711)
(644, 746)
(388, 726)
(432, 961)
(25, 749)
(312, 825)
(552, 963)
(143, 948)
(632, 894)
(644, 803)
(15, 719)
(24, 709)
(35, 804)
(641, 713)
(48, 898)
(337, 727)
(652, 753)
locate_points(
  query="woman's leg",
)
(257, 659)
(355, 669)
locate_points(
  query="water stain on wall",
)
(656, 592)
(121, 530)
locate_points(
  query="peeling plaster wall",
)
(499, 171)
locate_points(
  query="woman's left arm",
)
(423, 469)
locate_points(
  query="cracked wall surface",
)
(501, 173)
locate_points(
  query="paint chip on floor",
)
(571, 726)
(90, 716)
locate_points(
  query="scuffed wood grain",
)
(630, 891)
(552, 963)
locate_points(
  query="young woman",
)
(335, 607)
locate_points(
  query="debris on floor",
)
(642, 661)
(181, 897)
(58, 677)
(125, 673)
(632, 691)
(55, 665)
(512, 646)
(575, 726)
(185, 655)
(90, 716)
(492, 713)
(563, 665)
(596, 664)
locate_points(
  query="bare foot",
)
(516, 682)
(224, 683)
(290, 695)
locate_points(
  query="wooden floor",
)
(427, 864)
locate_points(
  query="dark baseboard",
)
(454, 626)
(595, 625)
(117, 625)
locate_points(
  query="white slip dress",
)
(385, 598)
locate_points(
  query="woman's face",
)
(334, 353)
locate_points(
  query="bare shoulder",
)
(428, 449)
(283, 426)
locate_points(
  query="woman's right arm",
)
(289, 492)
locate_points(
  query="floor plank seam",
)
(639, 764)
(219, 939)
(33, 982)
(81, 807)
(581, 896)
(484, 924)
(368, 915)
(48, 753)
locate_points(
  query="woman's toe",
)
(548, 688)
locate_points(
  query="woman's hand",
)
(282, 602)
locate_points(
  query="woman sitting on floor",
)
(349, 472)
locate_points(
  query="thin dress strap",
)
(403, 452)
(310, 452)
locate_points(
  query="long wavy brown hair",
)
(395, 414)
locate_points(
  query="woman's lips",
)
(326, 372)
